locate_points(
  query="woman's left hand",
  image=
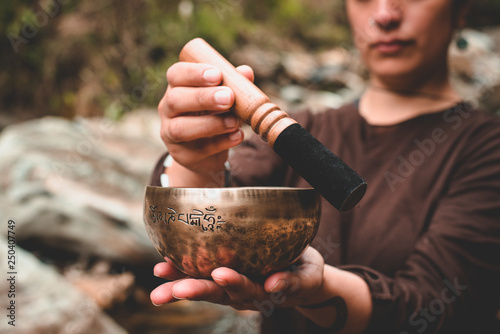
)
(300, 285)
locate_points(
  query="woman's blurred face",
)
(402, 39)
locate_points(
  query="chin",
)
(394, 70)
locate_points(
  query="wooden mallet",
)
(324, 171)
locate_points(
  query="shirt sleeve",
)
(450, 282)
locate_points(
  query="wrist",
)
(176, 175)
(343, 304)
(326, 290)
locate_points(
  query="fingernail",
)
(212, 75)
(220, 281)
(156, 304)
(279, 286)
(222, 97)
(178, 298)
(235, 136)
(230, 122)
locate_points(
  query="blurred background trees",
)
(64, 57)
(108, 57)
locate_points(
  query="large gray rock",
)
(42, 301)
(78, 185)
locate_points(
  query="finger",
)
(189, 128)
(202, 149)
(200, 290)
(180, 100)
(197, 74)
(163, 294)
(239, 288)
(168, 271)
(247, 71)
(193, 74)
(185, 94)
(305, 275)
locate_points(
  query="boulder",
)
(42, 301)
(78, 186)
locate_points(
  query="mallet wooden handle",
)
(329, 175)
(251, 105)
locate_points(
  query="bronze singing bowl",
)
(255, 231)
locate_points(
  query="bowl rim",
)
(271, 188)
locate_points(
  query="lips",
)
(391, 46)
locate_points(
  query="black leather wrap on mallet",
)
(324, 171)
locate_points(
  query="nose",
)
(387, 14)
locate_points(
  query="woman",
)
(419, 254)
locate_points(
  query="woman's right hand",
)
(196, 124)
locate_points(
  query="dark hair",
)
(458, 6)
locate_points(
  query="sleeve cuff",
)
(381, 293)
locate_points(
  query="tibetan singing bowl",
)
(255, 230)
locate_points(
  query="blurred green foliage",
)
(68, 57)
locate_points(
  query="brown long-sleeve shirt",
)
(426, 236)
